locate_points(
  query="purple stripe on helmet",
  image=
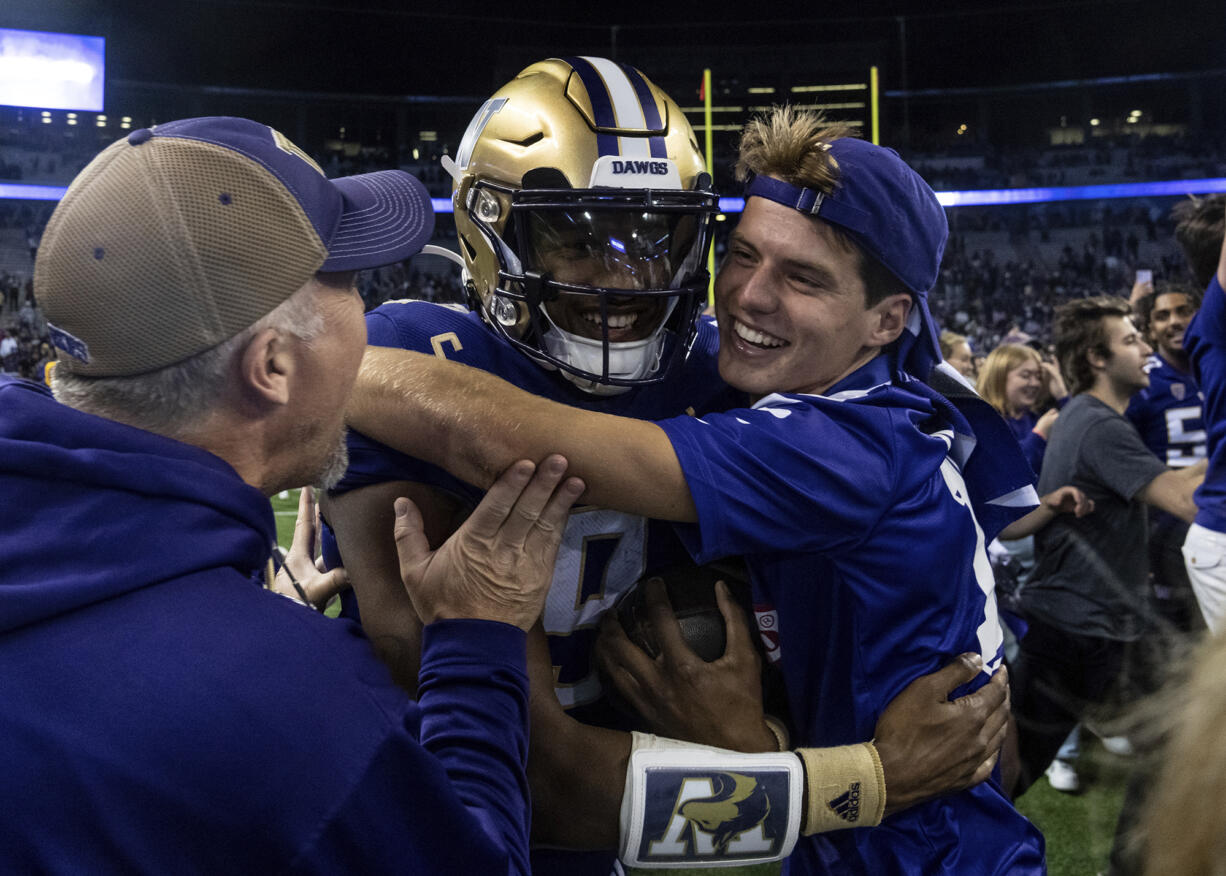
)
(597, 93)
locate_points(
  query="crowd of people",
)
(479, 706)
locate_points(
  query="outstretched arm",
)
(1172, 491)
(1062, 500)
(474, 425)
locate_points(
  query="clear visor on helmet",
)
(619, 268)
(626, 249)
(588, 256)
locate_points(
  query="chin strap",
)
(450, 255)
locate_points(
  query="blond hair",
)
(949, 341)
(794, 146)
(791, 145)
(994, 372)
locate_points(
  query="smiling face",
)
(791, 305)
(1124, 369)
(629, 250)
(1167, 321)
(1023, 384)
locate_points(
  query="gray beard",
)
(335, 466)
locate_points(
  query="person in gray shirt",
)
(1087, 598)
(1087, 602)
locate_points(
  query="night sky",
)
(380, 46)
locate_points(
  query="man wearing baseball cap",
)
(164, 710)
(861, 499)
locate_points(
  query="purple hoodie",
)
(164, 713)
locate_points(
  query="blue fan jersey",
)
(1168, 414)
(869, 569)
(603, 552)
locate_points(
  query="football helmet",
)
(584, 214)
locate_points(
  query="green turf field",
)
(286, 511)
(1079, 827)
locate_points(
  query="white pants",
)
(1204, 553)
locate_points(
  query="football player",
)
(583, 211)
(1168, 415)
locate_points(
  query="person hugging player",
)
(860, 498)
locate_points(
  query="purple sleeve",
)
(782, 476)
(1033, 447)
(1205, 341)
(445, 791)
(381, 330)
(473, 693)
(1205, 338)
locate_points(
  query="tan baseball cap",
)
(180, 236)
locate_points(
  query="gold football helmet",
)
(584, 213)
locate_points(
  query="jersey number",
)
(601, 556)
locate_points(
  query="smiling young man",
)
(1087, 599)
(1169, 416)
(1167, 412)
(585, 286)
(1087, 602)
(861, 499)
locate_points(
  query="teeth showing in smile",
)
(616, 320)
(755, 337)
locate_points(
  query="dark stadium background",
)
(382, 74)
(463, 48)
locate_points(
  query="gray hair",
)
(171, 400)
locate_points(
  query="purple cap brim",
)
(386, 218)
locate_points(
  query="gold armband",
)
(844, 787)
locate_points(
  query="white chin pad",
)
(689, 805)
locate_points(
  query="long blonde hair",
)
(995, 370)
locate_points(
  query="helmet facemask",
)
(584, 214)
(603, 284)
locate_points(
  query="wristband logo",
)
(715, 815)
(847, 805)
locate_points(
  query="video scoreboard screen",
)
(51, 70)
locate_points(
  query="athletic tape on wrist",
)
(846, 787)
(688, 805)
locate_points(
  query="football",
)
(691, 591)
